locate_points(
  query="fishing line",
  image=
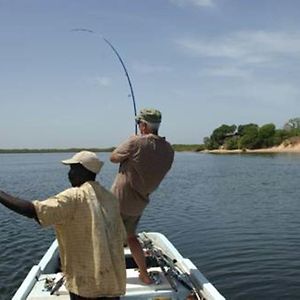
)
(122, 63)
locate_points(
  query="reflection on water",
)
(235, 216)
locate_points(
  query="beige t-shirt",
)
(144, 162)
(90, 232)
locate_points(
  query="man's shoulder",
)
(168, 144)
(69, 191)
(100, 190)
(162, 140)
(129, 143)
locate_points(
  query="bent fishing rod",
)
(122, 63)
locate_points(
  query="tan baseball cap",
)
(87, 159)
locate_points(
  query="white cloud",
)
(247, 47)
(223, 71)
(150, 69)
(262, 93)
(274, 93)
(103, 81)
(199, 3)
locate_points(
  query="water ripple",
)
(236, 217)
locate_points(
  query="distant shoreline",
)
(66, 150)
(197, 148)
(278, 149)
(176, 147)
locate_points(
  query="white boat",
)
(174, 276)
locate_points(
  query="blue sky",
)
(203, 63)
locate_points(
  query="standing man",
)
(88, 228)
(144, 161)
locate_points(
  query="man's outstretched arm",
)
(20, 206)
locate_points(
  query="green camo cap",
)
(149, 115)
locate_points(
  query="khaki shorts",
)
(130, 223)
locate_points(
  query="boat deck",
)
(134, 288)
(175, 276)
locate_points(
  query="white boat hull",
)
(168, 288)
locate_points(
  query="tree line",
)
(251, 136)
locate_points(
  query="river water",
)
(235, 216)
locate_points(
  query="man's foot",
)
(144, 278)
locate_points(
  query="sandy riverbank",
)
(278, 149)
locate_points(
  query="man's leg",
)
(130, 223)
(139, 258)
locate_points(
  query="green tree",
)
(292, 124)
(248, 136)
(220, 134)
(209, 144)
(231, 143)
(279, 136)
(292, 128)
(265, 136)
(243, 129)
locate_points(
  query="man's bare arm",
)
(20, 206)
